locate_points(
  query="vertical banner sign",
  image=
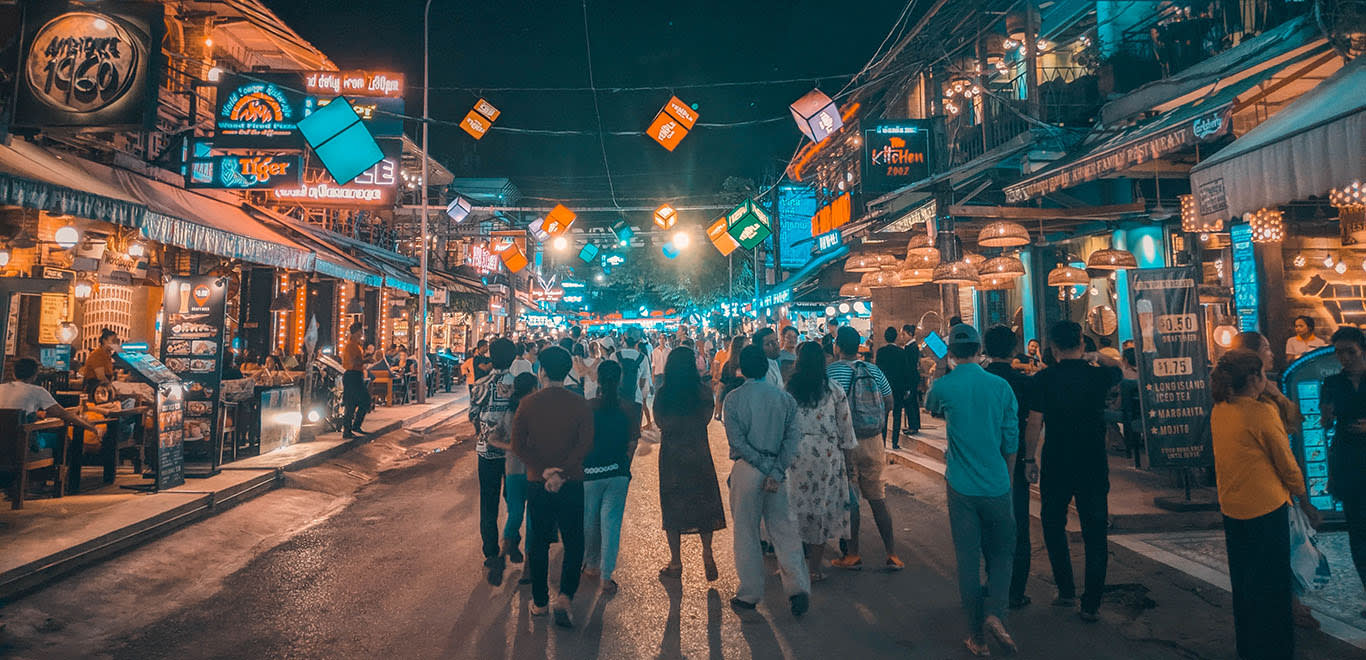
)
(1173, 373)
(1245, 290)
(192, 348)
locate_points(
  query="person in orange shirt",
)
(99, 366)
(355, 396)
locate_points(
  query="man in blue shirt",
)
(761, 426)
(982, 421)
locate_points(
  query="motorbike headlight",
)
(314, 416)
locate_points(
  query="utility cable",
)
(602, 140)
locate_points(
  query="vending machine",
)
(1302, 382)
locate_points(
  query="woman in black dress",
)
(689, 495)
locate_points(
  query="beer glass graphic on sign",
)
(184, 297)
(1146, 325)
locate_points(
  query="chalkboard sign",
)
(192, 348)
(168, 460)
(1173, 371)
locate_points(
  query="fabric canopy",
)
(35, 178)
(329, 260)
(1316, 143)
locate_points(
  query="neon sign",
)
(244, 172)
(259, 112)
(354, 83)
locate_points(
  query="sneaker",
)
(977, 646)
(741, 605)
(1018, 603)
(490, 562)
(1089, 615)
(561, 612)
(800, 604)
(894, 563)
(539, 610)
(1064, 601)
(997, 630)
(849, 562)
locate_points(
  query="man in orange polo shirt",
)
(99, 366)
(355, 396)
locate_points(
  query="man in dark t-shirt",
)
(999, 342)
(891, 359)
(1069, 401)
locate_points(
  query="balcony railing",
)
(1066, 96)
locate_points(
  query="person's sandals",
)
(997, 631)
(850, 562)
(609, 587)
(894, 563)
(671, 572)
(977, 646)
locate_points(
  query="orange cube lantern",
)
(719, 233)
(559, 220)
(672, 123)
(666, 217)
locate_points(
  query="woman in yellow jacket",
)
(1257, 477)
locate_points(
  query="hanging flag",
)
(480, 119)
(672, 123)
(816, 115)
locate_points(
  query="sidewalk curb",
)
(29, 577)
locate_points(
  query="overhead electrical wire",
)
(636, 88)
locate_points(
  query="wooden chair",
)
(16, 459)
(383, 384)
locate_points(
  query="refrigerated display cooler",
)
(1302, 382)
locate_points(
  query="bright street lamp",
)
(560, 244)
(681, 240)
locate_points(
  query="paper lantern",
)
(720, 236)
(748, 224)
(83, 288)
(955, 272)
(1111, 259)
(885, 260)
(559, 220)
(1003, 234)
(1267, 226)
(458, 209)
(861, 263)
(67, 332)
(816, 115)
(1068, 276)
(623, 232)
(666, 217)
(672, 123)
(1002, 267)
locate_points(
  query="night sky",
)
(530, 43)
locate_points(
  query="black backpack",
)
(630, 375)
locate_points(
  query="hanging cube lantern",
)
(512, 257)
(748, 224)
(666, 217)
(458, 209)
(1267, 226)
(559, 220)
(537, 229)
(672, 123)
(671, 251)
(721, 238)
(341, 140)
(588, 253)
(816, 115)
(480, 119)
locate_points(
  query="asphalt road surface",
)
(398, 574)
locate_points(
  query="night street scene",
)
(577, 329)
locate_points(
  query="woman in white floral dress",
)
(817, 482)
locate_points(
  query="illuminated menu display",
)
(1245, 287)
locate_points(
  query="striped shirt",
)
(842, 372)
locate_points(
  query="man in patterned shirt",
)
(490, 400)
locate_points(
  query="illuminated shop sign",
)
(482, 259)
(244, 171)
(262, 111)
(376, 186)
(354, 83)
(89, 68)
(828, 241)
(895, 154)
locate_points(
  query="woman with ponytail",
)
(607, 474)
(1257, 477)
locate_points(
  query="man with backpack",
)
(870, 396)
(634, 368)
(490, 399)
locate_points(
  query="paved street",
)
(397, 575)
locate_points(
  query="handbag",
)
(1307, 563)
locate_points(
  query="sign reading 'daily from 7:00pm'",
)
(89, 64)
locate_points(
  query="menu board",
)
(192, 348)
(53, 311)
(1303, 383)
(1173, 371)
(169, 459)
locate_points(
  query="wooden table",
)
(110, 443)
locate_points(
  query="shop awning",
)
(208, 224)
(1199, 116)
(33, 177)
(329, 259)
(1316, 143)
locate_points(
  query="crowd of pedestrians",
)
(807, 425)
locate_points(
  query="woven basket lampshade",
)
(861, 263)
(956, 272)
(885, 260)
(881, 278)
(1111, 259)
(855, 290)
(996, 282)
(920, 245)
(1003, 234)
(973, 259)
(1002, 267)
(1068, 276)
